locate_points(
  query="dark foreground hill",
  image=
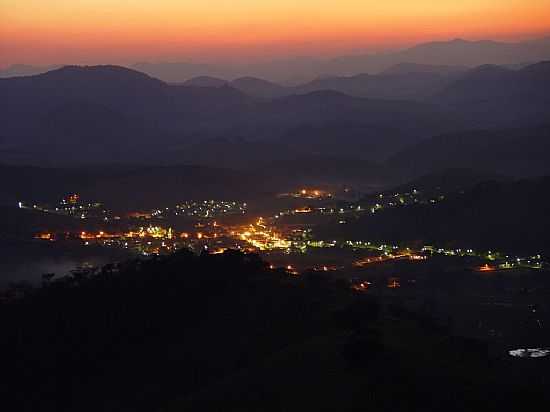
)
(224, 332)
(129, 187)
(506, 216)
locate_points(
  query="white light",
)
(529, 353)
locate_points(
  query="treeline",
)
(224, 332)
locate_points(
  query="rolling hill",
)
(110, 114)
(292, 71)
(508, 216)
(257, 87)
(393, 86)
(106, 114)
(204, 81)
(493, 96)
(513, 152)
(456, 52)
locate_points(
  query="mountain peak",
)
(540, 67)
(99, 72)
(251, 79)
(255, 86)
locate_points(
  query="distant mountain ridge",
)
(16, 70)
(401, 82)
(490, 81)
(399, 86)
(493, 96)
(142, 119)
(102, 114)
(292, 71)
(406, 67)
(444, 84)
(205, 81)
(254, 86)
(457, 52)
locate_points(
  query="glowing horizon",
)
(91, 31)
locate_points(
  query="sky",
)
(121, 31)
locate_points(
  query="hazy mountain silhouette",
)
(251, 86)
(406, 85)
(293, 71)
(446, 84)
(491, 82)
(323, 123)
(254, 86)
(307, 169)
(457, 52)
(25, 70)
(83, 106)
(178, 72)
(406, 68)
(447, 181)
(328, 122)
(494, 96)
(204, 81)
(152, 110)
(514, 152)
(113, 114)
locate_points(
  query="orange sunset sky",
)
(117, 31)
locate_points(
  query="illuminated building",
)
(72, 199)
(393, 283)
(140, 215)
(529, 353)
(44, 236)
